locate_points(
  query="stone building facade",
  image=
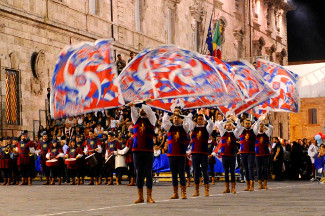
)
(33, 32)
(310, 120)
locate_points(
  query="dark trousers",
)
(110, 170)
(6, 173)
(248, 162)
(277, 169)
(177, 167)
(72, 173)
(203, 161)
(55, 172)
(46, 170)
(188, 171)
(212, 173)
(229, 163)
(143, 162)
(131, 173)
(25, 171)
(262, 165)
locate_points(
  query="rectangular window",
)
(12, 97)
(312, 116)
(281, 130)
(94, 7)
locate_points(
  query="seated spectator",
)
(99, 130)
(40, 131)
(101, 119)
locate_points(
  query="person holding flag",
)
(228, 148)
(177, 146)
(144, 120)
(247, 150)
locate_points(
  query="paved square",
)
(283, 198)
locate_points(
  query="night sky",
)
(306, 31)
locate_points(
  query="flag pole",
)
(203, 43)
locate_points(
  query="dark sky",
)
(306, 31)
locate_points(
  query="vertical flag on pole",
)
(209, 39)
(217, 41)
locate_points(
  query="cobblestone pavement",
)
(283, 198)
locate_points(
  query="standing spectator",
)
(48, 99)
(296, 160)
(278, 160)
(120, 63)
(312, 151)
(131, 56)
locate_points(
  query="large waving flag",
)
(283, 82)
(171, 75)
(251, 85)
(85, 80)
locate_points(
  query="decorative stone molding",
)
(14, 60)
(271, 49)
(172, 4)
(38, 64)
(256, 25)
(197, 11)
(239, 34)
(217, 4)
(36, 87)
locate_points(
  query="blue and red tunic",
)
(143, 135)
(177, 141)
(228, 144)
(113, 145)
(54, 151)
(262, 145)
(129, 158)
(23, 151)
(199, 141)
(5, 162)
(73, 153)
(44, 147)
(247, 141)
(92, 144)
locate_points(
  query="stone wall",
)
(299, 122)
(46, 26)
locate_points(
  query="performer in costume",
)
(55, 152)
(112, 146)
(103, 171)
(81, 161)
(144, 121)
(74, 169)
(5, 161)
(24, 148)
(42, 149)
(228, 149)
(177, 146)
(93, 145)
(129, 159)
(121, 170)
(212, 160)
(200, 152)
(263, 153)
(247, 150)
(14, 156)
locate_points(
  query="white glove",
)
(115, 152)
